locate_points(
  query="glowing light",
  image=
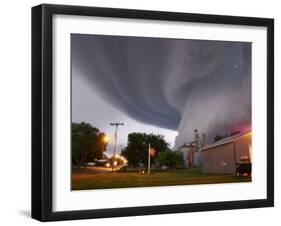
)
(105, 138)
(250, 152)
(107, 164)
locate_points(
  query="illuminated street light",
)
(105, 139)
(107, 164)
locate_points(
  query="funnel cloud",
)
(174, 84)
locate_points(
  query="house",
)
(223, 156)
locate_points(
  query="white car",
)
(91, 164)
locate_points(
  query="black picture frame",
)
(42, 111)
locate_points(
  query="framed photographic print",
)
(145, 112)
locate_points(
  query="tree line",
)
(136, 151)
(89, 143)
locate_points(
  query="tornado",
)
(176, 84)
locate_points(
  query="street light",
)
(116, 124)
(105, 139)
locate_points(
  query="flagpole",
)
(148, 165)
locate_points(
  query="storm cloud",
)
(170, 83)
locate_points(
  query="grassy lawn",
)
(85, 180)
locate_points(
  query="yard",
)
(82, 180)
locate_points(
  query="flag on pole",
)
(152, 151)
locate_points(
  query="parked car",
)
(91, 163)
(244, 168)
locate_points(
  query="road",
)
(97, 169)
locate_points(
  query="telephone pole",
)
(116, 124)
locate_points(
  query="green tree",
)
(219, 137)
(86, 143)
(136, 150)
(173, 159)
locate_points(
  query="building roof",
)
(227, 140)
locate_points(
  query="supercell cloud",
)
(170, 83)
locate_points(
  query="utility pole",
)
(116, 124)
(148, 164)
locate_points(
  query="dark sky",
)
(167, 85)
